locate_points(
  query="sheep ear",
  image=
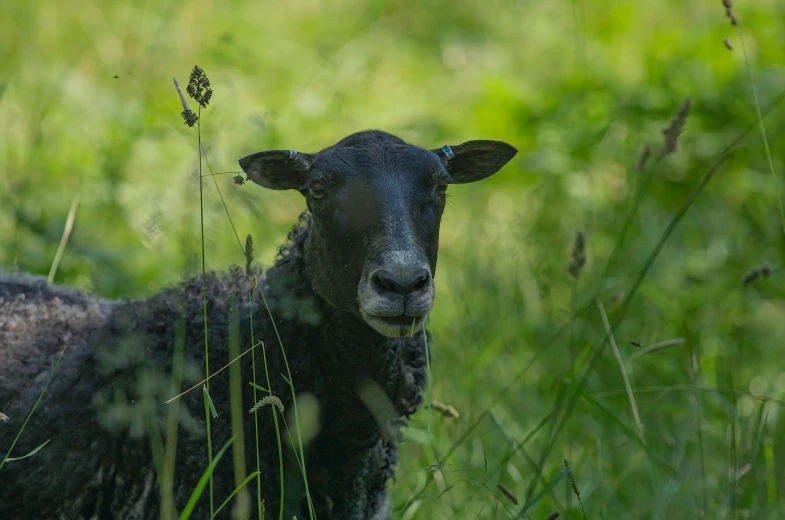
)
(278, 169)
(475, 160)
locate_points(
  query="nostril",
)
(420, 280)
(385, 281)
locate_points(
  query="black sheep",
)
(349, 296)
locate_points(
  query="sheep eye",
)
(441, 188)
(317, 190)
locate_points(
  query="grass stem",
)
(204, 301)
(763, 130)
(623, 370)
(69, 226)
(40, 396)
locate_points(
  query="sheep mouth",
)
(401, 320)
(395, 326)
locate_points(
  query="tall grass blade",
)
(259, 506)
(241, 486)
(223, 202)
(172, 422)
(620, 362)
(763, 130)
(242, 508)
(206, 476)
(294, 404)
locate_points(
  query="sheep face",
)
(377, 204)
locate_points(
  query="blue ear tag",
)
(448, 152)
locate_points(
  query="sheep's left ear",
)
(278, 169)
(475, 160)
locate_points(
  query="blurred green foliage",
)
(88, 109)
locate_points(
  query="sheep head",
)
(377, 204)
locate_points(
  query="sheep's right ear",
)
(278, 169)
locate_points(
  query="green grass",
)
(519, 345)
(7, 457)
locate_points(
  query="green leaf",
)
(10, 459)
(209, 401)
(263, 389)
(249, 478)
(189, 507)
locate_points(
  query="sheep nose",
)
(385, 281)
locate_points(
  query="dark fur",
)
(87, 472)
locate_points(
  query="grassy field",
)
(692, 429)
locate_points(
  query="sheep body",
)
(104, 410)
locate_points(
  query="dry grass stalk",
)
(189, 117)
(69, 226)
(4, 417)
(203, 381)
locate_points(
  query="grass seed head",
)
(3, 417)
(571, 479)
(644, 157)
(578, 254)
(554, 515)
(760, 271)
(728, 44)
(446, 410)
(189, 117)
(199, 87)
(248, 254)
(733, 19)
(271, 400)
(728, 4)
(672, 132)
(506, 492)
(238, 179)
